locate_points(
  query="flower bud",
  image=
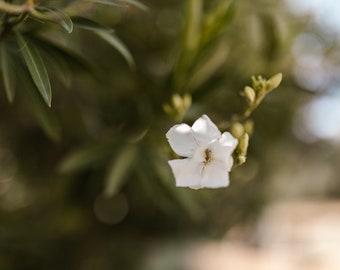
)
(249, 94)
(243, 144)
(237, 130)
(168, 109)
(241, 159)
(274, 81)
(177, 101)
(187, 101)
(248, 127)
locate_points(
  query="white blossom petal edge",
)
(207, 154)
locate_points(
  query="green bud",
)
(241, 159)
(177, 101)
(241, 151)
(168, 109)
(243, 144)
(187, 101)
(274, 81)
(249, 94)
(258, 83)
(237, 130)
(178, 107)
(248, 127)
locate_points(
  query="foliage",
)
(24, 23)
(85, 180)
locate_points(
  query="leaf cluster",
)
(26, 39)
(113, 153)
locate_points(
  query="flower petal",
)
(228, 140)
(196, 187)
(215, 175)
(205, 130)
(181, 140)
(187, 173)
(224, 147)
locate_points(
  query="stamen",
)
(208, 157)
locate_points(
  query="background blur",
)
(281, 210)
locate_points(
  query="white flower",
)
(207, 153)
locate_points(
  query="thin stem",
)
(19, 11)
(13, 9)
(8, 26)
(237, 118)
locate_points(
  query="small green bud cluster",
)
(241, 126)
(249, 94)
(178, 106)
(260, 88)
(241, 132)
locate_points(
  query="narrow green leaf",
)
(51, 49)
(115, 42)
(60, 68)
(45, 117)
(119, 169)
(8, 72)
(54, 16)
(155, 192)
(88, 24)
(191, 42)
(208, 65)
(85, 156)
(217, 21)
(63, 71)
(107, 35)
(56, 62)
(136, 4)
(105, 2)
(193, 31)
(121, 3)
(36, 68)
(272, 39)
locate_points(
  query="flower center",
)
(207, 156)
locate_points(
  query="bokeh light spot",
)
(111, 210)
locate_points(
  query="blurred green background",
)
(85, 184)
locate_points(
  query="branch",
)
(16, 9)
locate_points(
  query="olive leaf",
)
(85, 156)
(36, 68)
(89, 24)
(107, 35)
(115, 42)
(46, 118)
(8, 72)
(119, 169)
(54, 16)
(121, 3)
